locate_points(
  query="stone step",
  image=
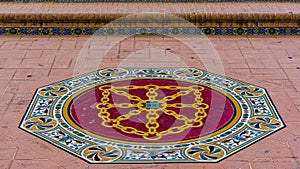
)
(211, 18)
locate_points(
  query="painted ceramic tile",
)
(128, 115)
(92, 30)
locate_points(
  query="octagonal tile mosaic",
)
(133, 115)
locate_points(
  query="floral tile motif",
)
(132, 115)
(92, 30)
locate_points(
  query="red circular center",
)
(84, 110)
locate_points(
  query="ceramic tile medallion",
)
(132, 115)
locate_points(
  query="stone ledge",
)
(108, 17)
(204, 15)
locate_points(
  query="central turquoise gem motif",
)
(152, 105)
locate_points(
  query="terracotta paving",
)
(28, 62)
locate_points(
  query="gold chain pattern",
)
(152, 113)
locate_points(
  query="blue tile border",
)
(152, 31)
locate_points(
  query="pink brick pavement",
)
(29, 62)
